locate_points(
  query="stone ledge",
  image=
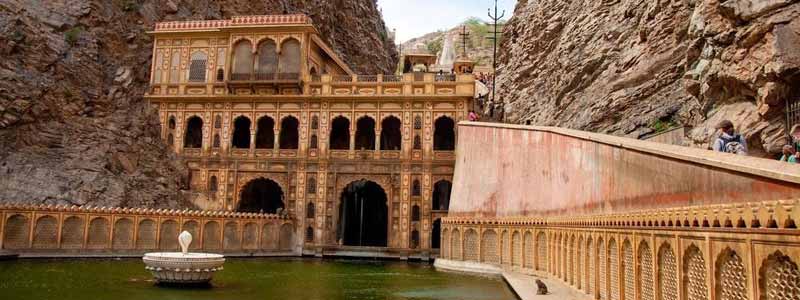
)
(467, 267)
(523, 285)
(743, 164)
(525, 288)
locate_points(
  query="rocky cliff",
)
(74, 128)
(630, 68)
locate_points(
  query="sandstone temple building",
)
(269, 118)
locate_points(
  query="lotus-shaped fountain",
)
(183, 268)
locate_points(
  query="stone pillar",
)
(377, 144)
(276, 140)
(352, 140)
(252, 143)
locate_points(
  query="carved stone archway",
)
(245, 178)
(385, 183)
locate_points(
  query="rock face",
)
(74, 128)
(628, 67)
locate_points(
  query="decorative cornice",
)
(17, 207)
(237, 21)
(780, 214)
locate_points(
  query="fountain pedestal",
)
(183, 267)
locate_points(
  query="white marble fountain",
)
(183, 267)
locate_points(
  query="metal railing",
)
(262, 76)
(445, 77)
(259, 76)
(342, 78)
(392, 78)
(240, 76)
(367, 78)
(288, 76)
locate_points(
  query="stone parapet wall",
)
(61, 230)
(546, 171)
(736, 251)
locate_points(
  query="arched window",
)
(414, 239)
(197, 67)
(311, 185)
(310, 210)
(289, 61)
(313, 144)
(159, 64)
(242, 61)
(216, 141)
(340, 133)
(289, 134)
(417, 122)
(415, 188)
(441, 195)
(265, 133)
(314, 123)
(212, 184)
(309, 234)
(194, 133)
(171, 123)
(365, 134)
(391, 136)
(175, 67)
(241, 133)
(415, 213)
(417, 143)
(218, 122)
(267, 60)
(444, 134)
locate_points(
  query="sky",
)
(414, 18)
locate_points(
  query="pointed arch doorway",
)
(363, 215)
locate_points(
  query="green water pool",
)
(244, 279)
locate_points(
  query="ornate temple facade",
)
(271, 120)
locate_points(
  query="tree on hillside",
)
(480, 30)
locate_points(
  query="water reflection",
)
(245, 279)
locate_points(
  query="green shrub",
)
(660, 126)
(130, 5)
(434, 46)
(71, 36)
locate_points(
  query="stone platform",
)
(525, 288)
(5, 255)
(523, 285)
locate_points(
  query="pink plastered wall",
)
(508, 170)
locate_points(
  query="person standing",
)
(728, 140)
(789, 154)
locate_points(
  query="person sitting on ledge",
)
(789, 154)
(728, 140)
(473, 116)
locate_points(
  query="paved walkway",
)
(525, 287)
(5, 255)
